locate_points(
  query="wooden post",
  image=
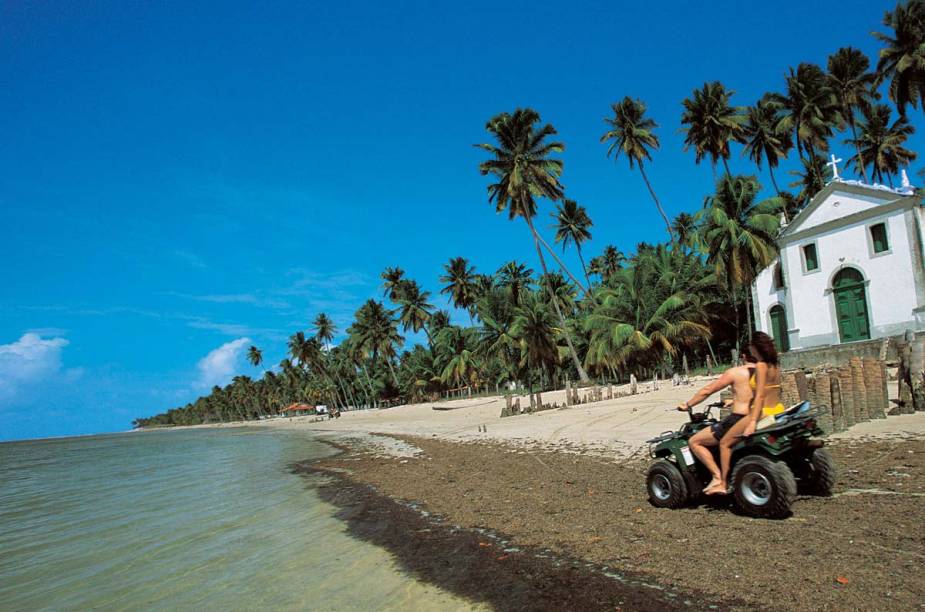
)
(838, 408)
(709, 366)
(876, 402)
(916, 370)
(846, 386)
(633, 384)
(802, 385)
(822, 389)
(860, 389)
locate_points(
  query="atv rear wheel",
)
(820, 478)
(666, 485)
(762, 487)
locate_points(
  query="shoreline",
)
(479, 564)
(534, 529)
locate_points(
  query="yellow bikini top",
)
(754, 384)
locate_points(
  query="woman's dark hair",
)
(763, 348)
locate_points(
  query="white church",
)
(850, 268)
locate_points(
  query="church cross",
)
(834, 163)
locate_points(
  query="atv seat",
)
(788, 414)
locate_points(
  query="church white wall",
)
(893, 293)
(765, 296)
(841, 204)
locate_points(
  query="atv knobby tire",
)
(666, 485)
(762, 487)
(821, 474)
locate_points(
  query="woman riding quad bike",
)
(766, 467)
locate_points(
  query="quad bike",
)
(766, 466)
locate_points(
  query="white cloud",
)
(29, 360)
(220, 365)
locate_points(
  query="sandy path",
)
(620, 426)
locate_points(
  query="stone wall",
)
(854, 388)
(840, 354)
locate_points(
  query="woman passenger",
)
(736, 377)
(765, 382)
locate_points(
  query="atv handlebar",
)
(703, 414)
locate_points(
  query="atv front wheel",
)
(820, 479)
(666, 485)
(762, 487)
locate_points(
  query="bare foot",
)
(713, 484)
(716, 489)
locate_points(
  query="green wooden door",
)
(779, 328)
(851, 306)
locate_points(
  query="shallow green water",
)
(201, 519)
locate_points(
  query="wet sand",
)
(441, 511)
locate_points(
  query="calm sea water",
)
(204, 519)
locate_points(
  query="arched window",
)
(851, 305)
(778, 318)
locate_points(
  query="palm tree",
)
(522, 164)
(573, 225)
(484, 283)
(638, 320)
(881, 144)
(392, 279)
(324, 328)
(496, 344)
(438, 320)
(564, 291)
(297, 346)
(740, 234)
(684, 227)
(414, 309)
(534, 329)
(460, 279)
(763, 136)
(810, 180)
(375, 333)
(712, 123)
(517, 278)
(854, 86)
(255, 356)
(456, 355)
(608, 263)
(632, 134)
(809, 110)
(902, 60)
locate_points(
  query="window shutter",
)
(878, 237)
(812, 261)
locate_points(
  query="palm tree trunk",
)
(658, 204)
(748, 312)
(558, 261)
(392, 370)
(555, 302)
(773, 180)
(726, 166)
(812, 153)
(854, 135)
(369, 382)
(584, 268)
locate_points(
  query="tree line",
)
(622, 314)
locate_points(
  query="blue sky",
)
(179, 180)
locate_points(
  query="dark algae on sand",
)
(520, 529)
